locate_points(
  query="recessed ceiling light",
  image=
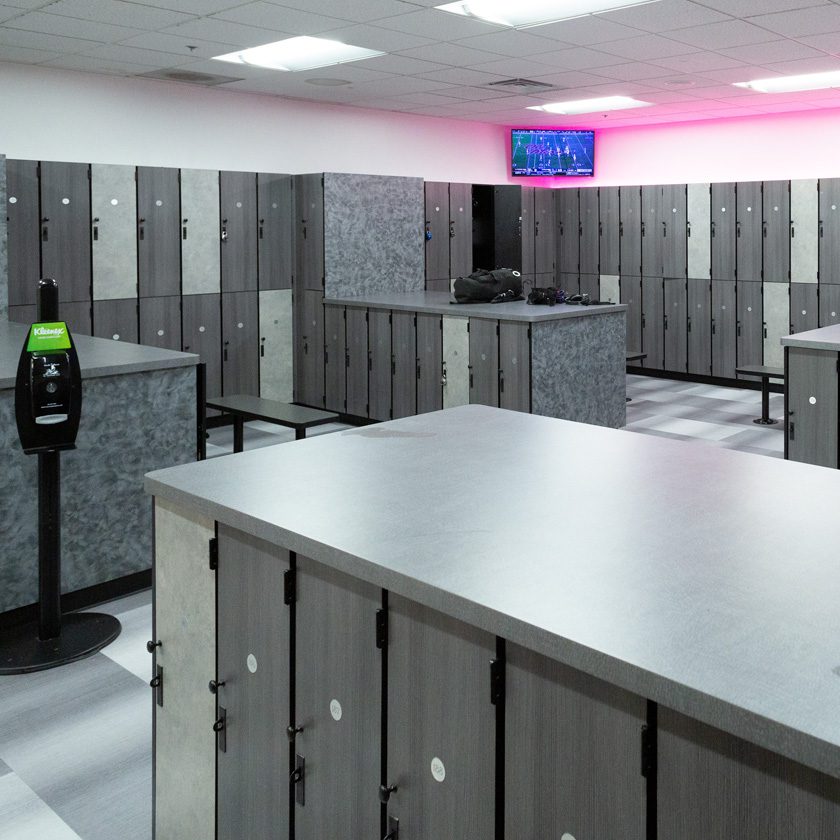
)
(324, 82)
(303, 53)
(523, 13)
(788, 84)
(590, 106)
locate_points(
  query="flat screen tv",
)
(552, 152)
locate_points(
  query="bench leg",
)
(238, 433)
(765, 419)
(300, 434)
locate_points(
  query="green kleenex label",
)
(46, 337)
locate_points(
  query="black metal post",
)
(238, 433)
(49, 546)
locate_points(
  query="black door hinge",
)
(497, 681)
(381, 629)
(649, 752)
(289, 586)
(214, 554)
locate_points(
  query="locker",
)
(507, 230)
(653, 230)
(115, 319)
(438, 285)
(200, 246)
(804, 307)
(829, 231)
(724, 217)
(590, 285)
(160, 322)
(437, 231)
(240, 331)
(202, 318)
(275, 222)
(429, 363)
(515, 366)
(653, 315)
(252, 750)
(337, 702)
(673, 215)
(776, 322)
(460, 230)
(630, 289)
(812, 386)
(484, 361)
(748, 236)
(309, 350)
(567, 240)
(309, 231)
(403, 364)
(589, 254)
(698, 231)
(356, 325)
(586, 753)
(544, 231)
(335, 358)
(113, 200)
(724, 328)
(238, 208)
(65, 228)
(630, 231)
(276, 345)
(608, 222)
(699, 325)
(23, 231)
(379, 364)
(27, 313)
(750, 324)
(570, 283)
(456, 361)
(441, 725)
(829, 296)
(804, 231)
(776, 231)
(528, 230)
(159, 231)
(609, 288)
(675, 325)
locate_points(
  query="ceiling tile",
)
(773, 51)
(462, 76)
(822, 64)
(732, 75)
(517, 68)
(7, 12)
(633, 71)
(118, 13)
(226, 32)
(402, 65)
(43, 41)
(811, 21)
(585, 31)
(24, 55)
(375, 38)
(396, 86)
(645, 46)
(749, 8)
(475, 94)
(433, 23)
(177, 45)
(666, 97)
(360, 11)
(195, 7)
(608, 88)
(665, 15)
(28, 4)
(71, 27)
(97, 65)
(715, 36)
(577, 58)
(697, 62)
(572, 79)
(279, 19)
(417, 99)
(148, 58)
(513, 42)
(827, 42)
(450, 54)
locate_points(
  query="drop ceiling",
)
(680, 55)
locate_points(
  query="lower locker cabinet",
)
(456, 361)
(240, 331)
(115, 319)
(379, 364)
(429, 363)
(276, 345)
(804, 307)
(403, 364)
(631, 294)
(813, 390)
(829, 297)
(203, 335)
(675, 325)
(515, 366)
(484, 361)
(750, 327)
(356, 328)
(699, 321)
(653, 323)
(776, 321)
(309, 358)
(335, 348)
(160, 322)
(724, 328)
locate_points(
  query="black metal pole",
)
(49, 546)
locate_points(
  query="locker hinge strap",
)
(289, 586)
(381, 629)
(497, 681)
(649, 752)
(214, 554)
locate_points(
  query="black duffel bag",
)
(482, 286)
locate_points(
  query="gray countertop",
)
(825, 338)
(97, 356)
(438, 303)
(701, 578)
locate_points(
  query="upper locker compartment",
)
(776, 231)
(804, 230)
(309, 231)
(829, 231)
(673, 220)
(238, 207)
(589, 253)
(114, 231)
(159, 231)
(24, 249)
(723, 217)
(436, 232)
(274, 231)
(200, 258)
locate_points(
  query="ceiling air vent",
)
(521, 84)
(188, 77)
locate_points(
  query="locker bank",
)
(380, 388)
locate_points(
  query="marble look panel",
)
(113, 196)
(200, 257)
(276, 345)
(4, 275)
(130, 425)
(610, 288)
(578, 369)
(456, 359)
(373, 234)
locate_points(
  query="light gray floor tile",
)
(23, 816)
(129, 648)
(259, 433)
(4, 768)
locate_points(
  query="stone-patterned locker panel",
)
(200, 246)
(776, 322)
(373, 234)
(804, 231)
(456, 361)
(610, 288)
(699, 231)
(276, 345)
(113, 207)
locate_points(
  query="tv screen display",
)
(552, 152)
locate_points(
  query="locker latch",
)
(292, 732)
(296, 778)
(497, 681)
(220, 728)
(157, 684)
(393, 829)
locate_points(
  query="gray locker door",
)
(379, 354)
(484, 361)
(567, 218)
(356, 325)
(240, 338)
(675, 325)
(25, 314)
(653, 323)
(460, 230)
(429, 363)
(337, 702)
(829, 304)
(630, 231)
(238, 208)
(113, 207)
(698, 230)
(829, 230)
(160, 322)
(203, 335)
(441, 725)
(579, 770)
(804, 307)
(276, 345)
(776, 321)
(437, 231)
(403, 364)
(674, 215)
(724, 217)
(335, 358)
(608, 205)
(699, 310)
(309, 350)
(23, 231)
(724, 328)
(200, 257)
(776, 231)
(544, 231)
(309, 231)
(159, 231)
(65, 228)
(115, 319)
(77, 315)
(812, 388)
(527, 230)
(748, 238)
(590, 285)
(804, 231)
(589, 254)
(253, 662)
(570, 283)
(653, 230)
(515, 366)
(631, 293)
(750, 326)
(275, 223)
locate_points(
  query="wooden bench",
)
(245, 407)
(766, 374)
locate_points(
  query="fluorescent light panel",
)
(590, 106)
(789, 84)
(523, 13)
(303, 53)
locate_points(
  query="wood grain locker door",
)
(544, 231)
(804, 307)
(630, 231)
(275, 225)
(724, 328)
(456, 361)
(403, 364)
(23, 230)
(699, 321)
(460, 230)
(202, 320)
(675, 325)
(653, 322)
(116, 319)
(590, 284)
(309, 350)
(748, 232)
(78, 316)
(65, 228)
(829, 230)
(338, 703)
(238, 208)
(653, 230)
(567, 219)
(631, 294)
(113, 198)
(379, 354)
(159, 231)
(674, 215)
(240, 332)
(724, 218)
(572, 753)
(608, 222)
(776, 321)
(515, 365)
(200, 245)
(252, 752)
(776, 231)
(750, 326)
(429, 363)
(829, 295)
(441, 725)
(528, 231)
(437, 231)
(309, 231)
(276, 345)
(357, 361)
(25, 314)
(698, 231)
(589, 219)
(804, 231)
(484, 361)
(160, 322)
(812, 388)
(335, 359)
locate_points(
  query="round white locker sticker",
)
(65, 200)
(812, 400)
(335, 709)
(567, 836)
(251, 662)
(160, 332)
(438, 770)
(158, 203)
(116, 336)
(12, 199)
(114, 202)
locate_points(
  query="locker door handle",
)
(347, 360)
(419, 377)
(791, 428)
(262, 222)
(262, 350)
(452, 230)
(157, 684)
(370, 362)
(714, 327)
(765, 329)
(393, 366)
(385, 792)
(643, 321)
(822, 232)
(689, 325)
(666, 322)
(600, 228)
(226, 351)
(643, 228)
(537, 228)
(45, 232)
(688, 229)
(297, 779)
(738, 229)
(764, 229)
(184, 228)
(471, 376)
(621, 228)
(738, 329)
(792, 229)
(224, 230)
(220, 728)
(306, 347)
(501, 382)
(664, 229)
(713, 230)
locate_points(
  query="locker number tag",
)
(749, 309)
(335, 710)
(438, 770)
(251, 662)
